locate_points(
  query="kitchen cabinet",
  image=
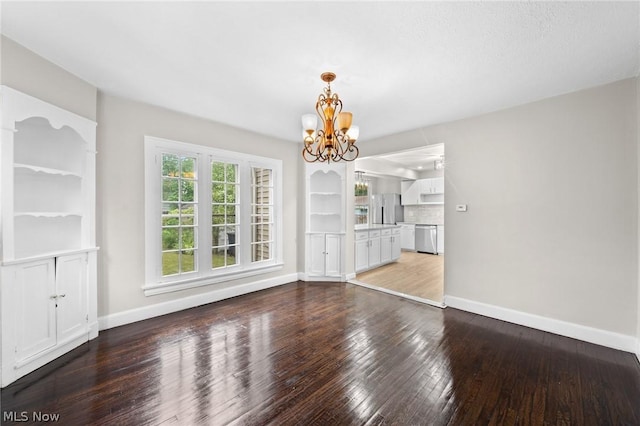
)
(395, 244)
(440, 239)
(374, 248)
(48, 291)
(423, 191)
(377, 247)
(408, 236)
(410, 192)
(361, 250)
(389, 245)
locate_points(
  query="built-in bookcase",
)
(48, 250)
(325, 220)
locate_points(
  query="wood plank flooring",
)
(415, 274)
(331, 354)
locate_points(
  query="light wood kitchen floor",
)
(415, 274)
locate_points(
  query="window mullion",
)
(204, 223)
(245, 201)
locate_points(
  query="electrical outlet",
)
(461, 207)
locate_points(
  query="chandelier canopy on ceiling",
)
(336, 138)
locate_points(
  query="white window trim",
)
(155, 283)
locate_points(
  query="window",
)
(261, 214)
(210, 215)
(224, 205)
(179, 210)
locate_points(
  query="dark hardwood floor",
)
(331, 354)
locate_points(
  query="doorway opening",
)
(418, 175)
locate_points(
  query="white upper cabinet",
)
(423, 191)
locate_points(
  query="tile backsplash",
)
(429, 214)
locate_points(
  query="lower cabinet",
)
(376, 247)
(325, 255)
(408, 236)
(45, 312)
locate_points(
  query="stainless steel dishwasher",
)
(426, 239)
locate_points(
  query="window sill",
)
(168, 287)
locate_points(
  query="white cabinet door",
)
(438, 185)
(408, 237)
(333, 253)
(410, 192)
(440, 239)
(362, 254)
(385, 249)
(374, 251)
(395, 244)
(71, 283)
(317, 256)
(34, 309)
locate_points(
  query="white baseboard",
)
(397, 293)
(146, 312)
(563, 328)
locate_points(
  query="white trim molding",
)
(562, 328)
(146, 312)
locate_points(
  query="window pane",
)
(231, 193)
(170, 238)
(224, 193)
(187, 190)
(261, 213)
(170, 189)
(231, 214)
(217, 172)
(187, 238)
(231, 172)
(170, 165)
(170, 263)
(217, 193)
(188, 260)
(260, 252)
(188, 168)
(170, 220)
(179, 219)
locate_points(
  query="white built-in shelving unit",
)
(48, 250)
(325, 196)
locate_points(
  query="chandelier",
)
(336, 138)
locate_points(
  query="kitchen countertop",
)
(374, 226)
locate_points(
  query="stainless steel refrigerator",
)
(386, 209)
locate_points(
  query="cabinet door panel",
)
(317, 254)
(71, 284)
(395, 247)
(362, 255)
(333, 255)
(35, 310)
(374, 252)
(385, 249)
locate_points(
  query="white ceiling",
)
(415, 159)
(400, 65)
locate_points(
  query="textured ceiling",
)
(400, 65)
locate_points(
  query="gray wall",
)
(120, 181)
(552, 194)
(29, 73)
